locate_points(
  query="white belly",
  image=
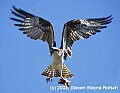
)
(57, 61)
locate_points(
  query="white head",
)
(56, 51)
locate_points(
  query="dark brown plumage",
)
(34, 27)
(82, 29)
(38, 28)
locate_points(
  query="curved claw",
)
(49, 80)
(64, 82)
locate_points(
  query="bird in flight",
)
(38, 28)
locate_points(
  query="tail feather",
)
(51, 72)
(66, 72)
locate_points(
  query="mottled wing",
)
(34, 27)
(81, 29)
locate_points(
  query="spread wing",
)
(34, 27)
(81, 29)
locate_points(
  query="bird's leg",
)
(63, 80)
(61, 70)
(62, 64)
(49, 80)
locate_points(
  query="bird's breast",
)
(57, 61)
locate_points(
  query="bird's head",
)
(55, 50)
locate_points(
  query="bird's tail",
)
(51, 72)
(66, 72)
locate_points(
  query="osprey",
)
(38, 28)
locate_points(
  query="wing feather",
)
(34, 27)
(81, 29)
